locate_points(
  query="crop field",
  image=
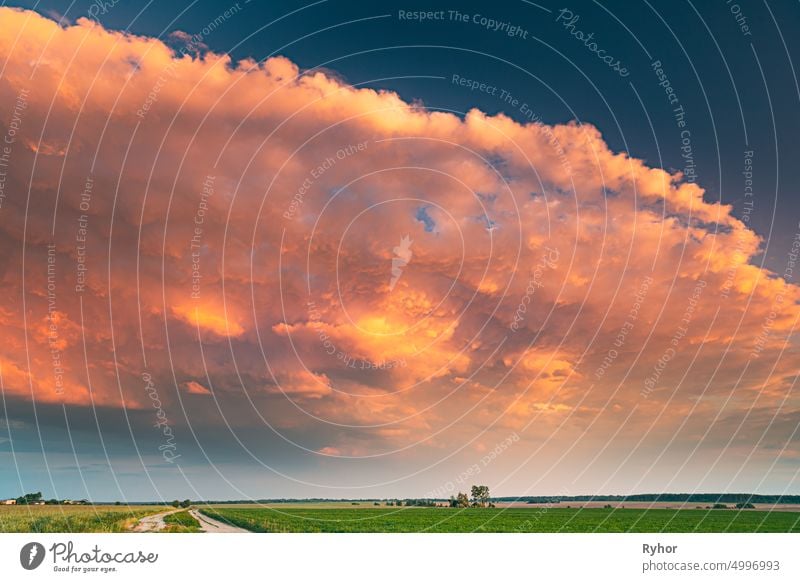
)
(72, 518)
(552, 520)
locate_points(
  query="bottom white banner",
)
(355, 557)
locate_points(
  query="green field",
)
(181, 522)
(72, 518)
(520, 520)
(347, 518)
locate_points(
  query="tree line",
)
(665, 497)
(37, 499)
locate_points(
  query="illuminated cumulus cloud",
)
(193, 387)
(238, 224)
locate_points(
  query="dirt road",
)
(153, 523)
(215, 526)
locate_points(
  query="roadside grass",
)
(72, 518)
(181, 522)
(519, 520)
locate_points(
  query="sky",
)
(264, 250)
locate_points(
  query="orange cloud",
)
(279, 197)
(193, 387)
(208, 318)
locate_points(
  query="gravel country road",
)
(153, 523)
(215, 526)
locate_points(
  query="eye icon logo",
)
(31, 555)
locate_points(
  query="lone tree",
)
(480, 495)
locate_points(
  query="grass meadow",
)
(72, 518)
(181, 522)
(514, 520)
(335, 518)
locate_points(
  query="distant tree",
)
(420, 503)
(480, 495)
(176, 503)
(186, 503)
(117, 503)
(744, 505)
(719, 506)
(29, 498)
(462, 500)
